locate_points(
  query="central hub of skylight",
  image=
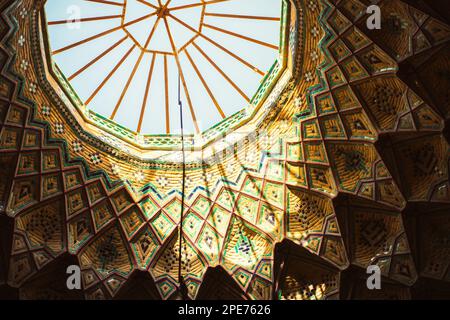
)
(129, 61)
(146, 24)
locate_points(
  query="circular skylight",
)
(124, 58)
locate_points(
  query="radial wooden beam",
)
(187, 44)
(58, 22)
(186, 91)
(127, 85)
(147, 91)
(152, 32)
(240, 36)
(102, 34)
(97, 58)
(202, 18)
(139, 19)
(249, 65)
(133, 73)
(112, 3)
(231, 82)
(163, 6)
(238, 16)
(97, 90)
(148, 4)
(203, 3)
(76, 44)
(166, 90)
(205, 85)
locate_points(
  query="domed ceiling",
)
(123, 59)
(337, 160)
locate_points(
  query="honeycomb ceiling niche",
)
(314, 148)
